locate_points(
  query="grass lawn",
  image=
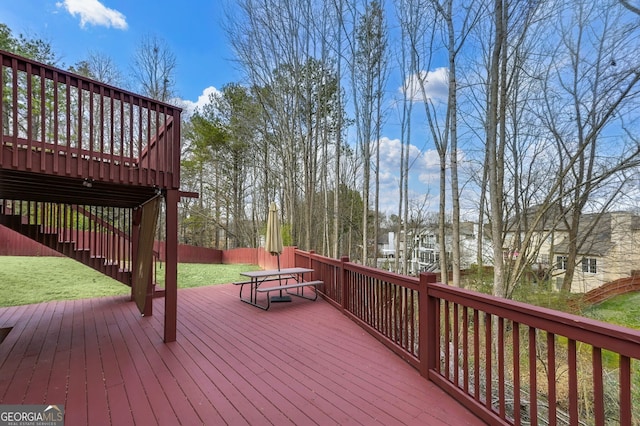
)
(25, 280)
(622, 310)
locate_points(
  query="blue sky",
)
(192, 30)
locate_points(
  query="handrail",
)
(61, 123)
(506, 361)
(57, 74)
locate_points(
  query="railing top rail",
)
(403, 280)
(51, 72)
(320, 258)
(604, 335)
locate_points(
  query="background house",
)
(608, 250)
(608, 247)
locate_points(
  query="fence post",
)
(342, 278)
(427, 324)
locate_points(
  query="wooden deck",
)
(298, 363)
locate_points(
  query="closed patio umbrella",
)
(273, 243)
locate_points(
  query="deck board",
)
(300, 363)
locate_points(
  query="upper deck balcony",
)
(71, 139)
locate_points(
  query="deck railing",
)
(61, 123)
(508, 362)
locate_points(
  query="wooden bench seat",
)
(289, 286)
(299, 291)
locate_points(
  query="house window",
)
(589, 265)
(561, 262)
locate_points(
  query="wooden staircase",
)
(76, 233)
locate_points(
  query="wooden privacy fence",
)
(508, 362)
(611, 289)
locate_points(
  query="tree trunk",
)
(495, 182)
(453, 131)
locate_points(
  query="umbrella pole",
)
(279, 276)
(280, 298)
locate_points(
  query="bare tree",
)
(153, 68)
(559, 108)
(282, 46)
(495, 149)
(337, 223)
(405, 10)
(420, 24)
(368, 76)
(100, 67)
(414, 20)
(456, 21)
(631, 7)
(268, 38)
(459, 21)
(591, 92)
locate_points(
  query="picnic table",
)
(288, 279)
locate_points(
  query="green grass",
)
(622, 310)
(199, 274)
(26, 280)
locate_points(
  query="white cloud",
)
(94, 13)
(191, 106)
(436, 85)
(391, 151)
(419, 161)
(429, 177)
(423, 173)
(424, 177)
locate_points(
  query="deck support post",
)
(135, 238)
(171, 266)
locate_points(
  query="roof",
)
(595, 233)
(551, 218)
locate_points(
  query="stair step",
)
(49, 240)
(67, 248)
(17, 223)
(82, 254)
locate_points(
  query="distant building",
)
(423, 248)
(610, 250)
(608, 247)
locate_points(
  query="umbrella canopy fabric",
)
(273, 243)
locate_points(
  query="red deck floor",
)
(299, 363)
